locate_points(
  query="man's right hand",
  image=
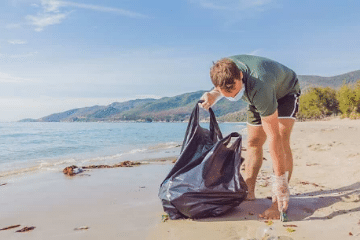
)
(210, 98)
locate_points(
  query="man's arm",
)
(280, 187)
(271, 128)
(210, 98)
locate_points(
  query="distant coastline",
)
(178, 108)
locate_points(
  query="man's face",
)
(234, 91)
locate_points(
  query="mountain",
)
(307, 81)
(178, 108)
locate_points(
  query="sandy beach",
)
(122, 203)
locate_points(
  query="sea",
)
(30, 147)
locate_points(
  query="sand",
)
(122, 203)
(325, 192)
(119, 203)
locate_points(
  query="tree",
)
(318, 102)
(347, 99)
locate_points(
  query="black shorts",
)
(288, 106)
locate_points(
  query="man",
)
(272, 91)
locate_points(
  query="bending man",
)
(272, 91)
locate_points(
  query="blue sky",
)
(58, 55)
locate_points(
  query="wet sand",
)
(119, 203)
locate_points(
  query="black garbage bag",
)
(205, 180)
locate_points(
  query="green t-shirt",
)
(265, 82)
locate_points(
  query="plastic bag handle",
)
(214, 126)
(194, 123)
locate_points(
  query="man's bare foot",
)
(250, 196)
(271, 213)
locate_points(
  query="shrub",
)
(318, 102)
(347, 100)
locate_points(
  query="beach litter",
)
(164, 217)
(122, 164)
(290, 230)
(3, 184)
(81, 228)
(269, 222)
(73, 170)
(10, 227)
(289, 225)
(26, 229)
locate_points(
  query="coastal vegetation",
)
(322, 102)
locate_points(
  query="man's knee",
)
(256, 141)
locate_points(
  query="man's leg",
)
(254, 157)
(285, 127)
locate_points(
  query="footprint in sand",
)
(308, 210)
(318, 147)
(323, 147)
(353, 155)
(351, 198)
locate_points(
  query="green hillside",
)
(307, 81)
(178, 108)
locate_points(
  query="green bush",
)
(348, 100)
(318, 102)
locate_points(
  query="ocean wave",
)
(165, 146)
(57, 165)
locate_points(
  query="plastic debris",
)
(164, 217)
(26, 229)
(122, 164)
(290, 230)
(269, 222)
(81, 228)
(290, 225)
(10, 227)
(72, 170)
(3, 184)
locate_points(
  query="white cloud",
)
(120, 11)
(7, 78)
(51, 13)
(51, 5)
(17, 41)
(43, 20)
